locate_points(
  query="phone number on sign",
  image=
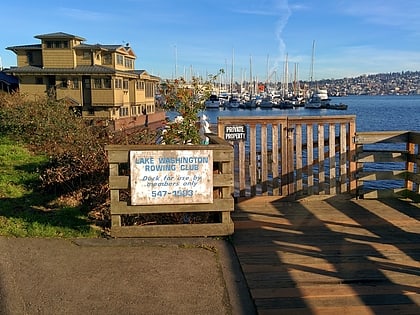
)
(175, 193)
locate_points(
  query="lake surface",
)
(373, 113)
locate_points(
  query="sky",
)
(317, 39)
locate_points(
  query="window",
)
(102, 83)
(150, 89)
(39, 80)
(86, 55)
(140, 85)
(29, 57)
(57, 44)
(125, 84)
(120, 60)
(97, 83)
(107, 59)
(107, 83)
(64, 83)
(128, 63)
(118, 83)
(75, 83)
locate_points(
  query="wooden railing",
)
(387, 164)
(293, 155)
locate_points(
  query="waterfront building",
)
(98, 81)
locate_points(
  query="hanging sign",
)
(235, 132)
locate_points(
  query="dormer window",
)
(120, 59)
(56, 44)
(128, 63)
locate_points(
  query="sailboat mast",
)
(312, 62)
(250, 77)
(231, 74)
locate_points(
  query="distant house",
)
(99, 81)
(8, 83)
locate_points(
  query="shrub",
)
(188, 100)
(77, 165)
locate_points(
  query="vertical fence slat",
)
(299, 157)
(310, 157)
(351, 157)
(321, 162)
(275, 158)
(332, 186)
(284, 167)
(264, 160)
(343, 157)
(290, 161)
(242, 168)
(253, 159)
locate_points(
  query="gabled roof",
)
(58, 35)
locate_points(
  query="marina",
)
(373, 113)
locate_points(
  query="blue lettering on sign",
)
(145, 160)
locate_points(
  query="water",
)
(373, 113)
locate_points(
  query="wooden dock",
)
(330, 254)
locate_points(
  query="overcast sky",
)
(184, 37)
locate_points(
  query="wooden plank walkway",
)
(330, 255)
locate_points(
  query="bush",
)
(77, 166)
(188, 100)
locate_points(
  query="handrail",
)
(397, 154)
(293, 155)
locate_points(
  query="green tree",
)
(188, 100)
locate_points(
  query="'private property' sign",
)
(236, 132)
(171, 177)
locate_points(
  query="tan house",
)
(99, 81)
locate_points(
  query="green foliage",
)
(19, 170)
(65, 183)
(24, 210)
(188, 100)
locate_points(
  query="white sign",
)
(234, 133)
(171, 177)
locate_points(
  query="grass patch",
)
(27, 212)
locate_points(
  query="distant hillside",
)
(393, 83)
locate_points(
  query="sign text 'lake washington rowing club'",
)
(235, 132)
(171, 177)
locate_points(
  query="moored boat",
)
(233, 102)
(213, 102)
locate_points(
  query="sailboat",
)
(251, 102)
(233, 101)
(319, 98)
